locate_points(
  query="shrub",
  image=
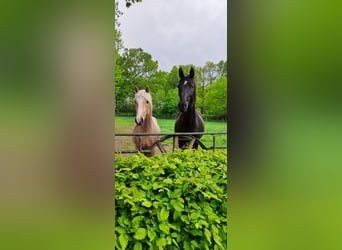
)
(172, 201)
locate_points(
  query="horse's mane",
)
(194, 95)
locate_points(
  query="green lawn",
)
(125, 125)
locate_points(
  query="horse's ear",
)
(136, 89)
(181, 74)
(192, 72)
(147, 89)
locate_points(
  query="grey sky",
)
(177, 32)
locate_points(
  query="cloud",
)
(178, 31)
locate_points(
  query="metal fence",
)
(173, 117)
(175, 137)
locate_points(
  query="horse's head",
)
(186, 90)
(143, 105)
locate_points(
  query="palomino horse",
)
(188, 119)
(144, 121)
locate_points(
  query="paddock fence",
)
(190, 136)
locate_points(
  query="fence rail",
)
(176, 137)
(173, 117)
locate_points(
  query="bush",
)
(172, 201)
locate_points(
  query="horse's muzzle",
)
(183, 106)
(139, 122)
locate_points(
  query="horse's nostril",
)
(138, 122)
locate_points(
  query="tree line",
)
(135, 67)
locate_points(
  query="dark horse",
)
(188, 119)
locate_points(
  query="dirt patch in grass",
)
(123, 142)
(126, 142)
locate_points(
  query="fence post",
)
(214, 142)
(175, 143)
(140, 144)
(191, 143)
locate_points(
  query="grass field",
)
(125, 125)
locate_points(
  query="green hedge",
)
(171, 201)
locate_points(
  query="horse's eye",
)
(147, 102)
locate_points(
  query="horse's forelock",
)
(144, 94)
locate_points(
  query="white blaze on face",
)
(185, 82)
(139, 101)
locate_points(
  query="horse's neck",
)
(148, 122)
(190, 114)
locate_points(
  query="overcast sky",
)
(177, 32)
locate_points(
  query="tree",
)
(210, 73)
(170, 105)
(206, 75)
(172, 78)
(201, 82)
(215, 102)
(117, 33)
(137, 64)
(222, 68)
(118, 45)
(158, 91)
(130, 2)
(118, 83)
(137, 69)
